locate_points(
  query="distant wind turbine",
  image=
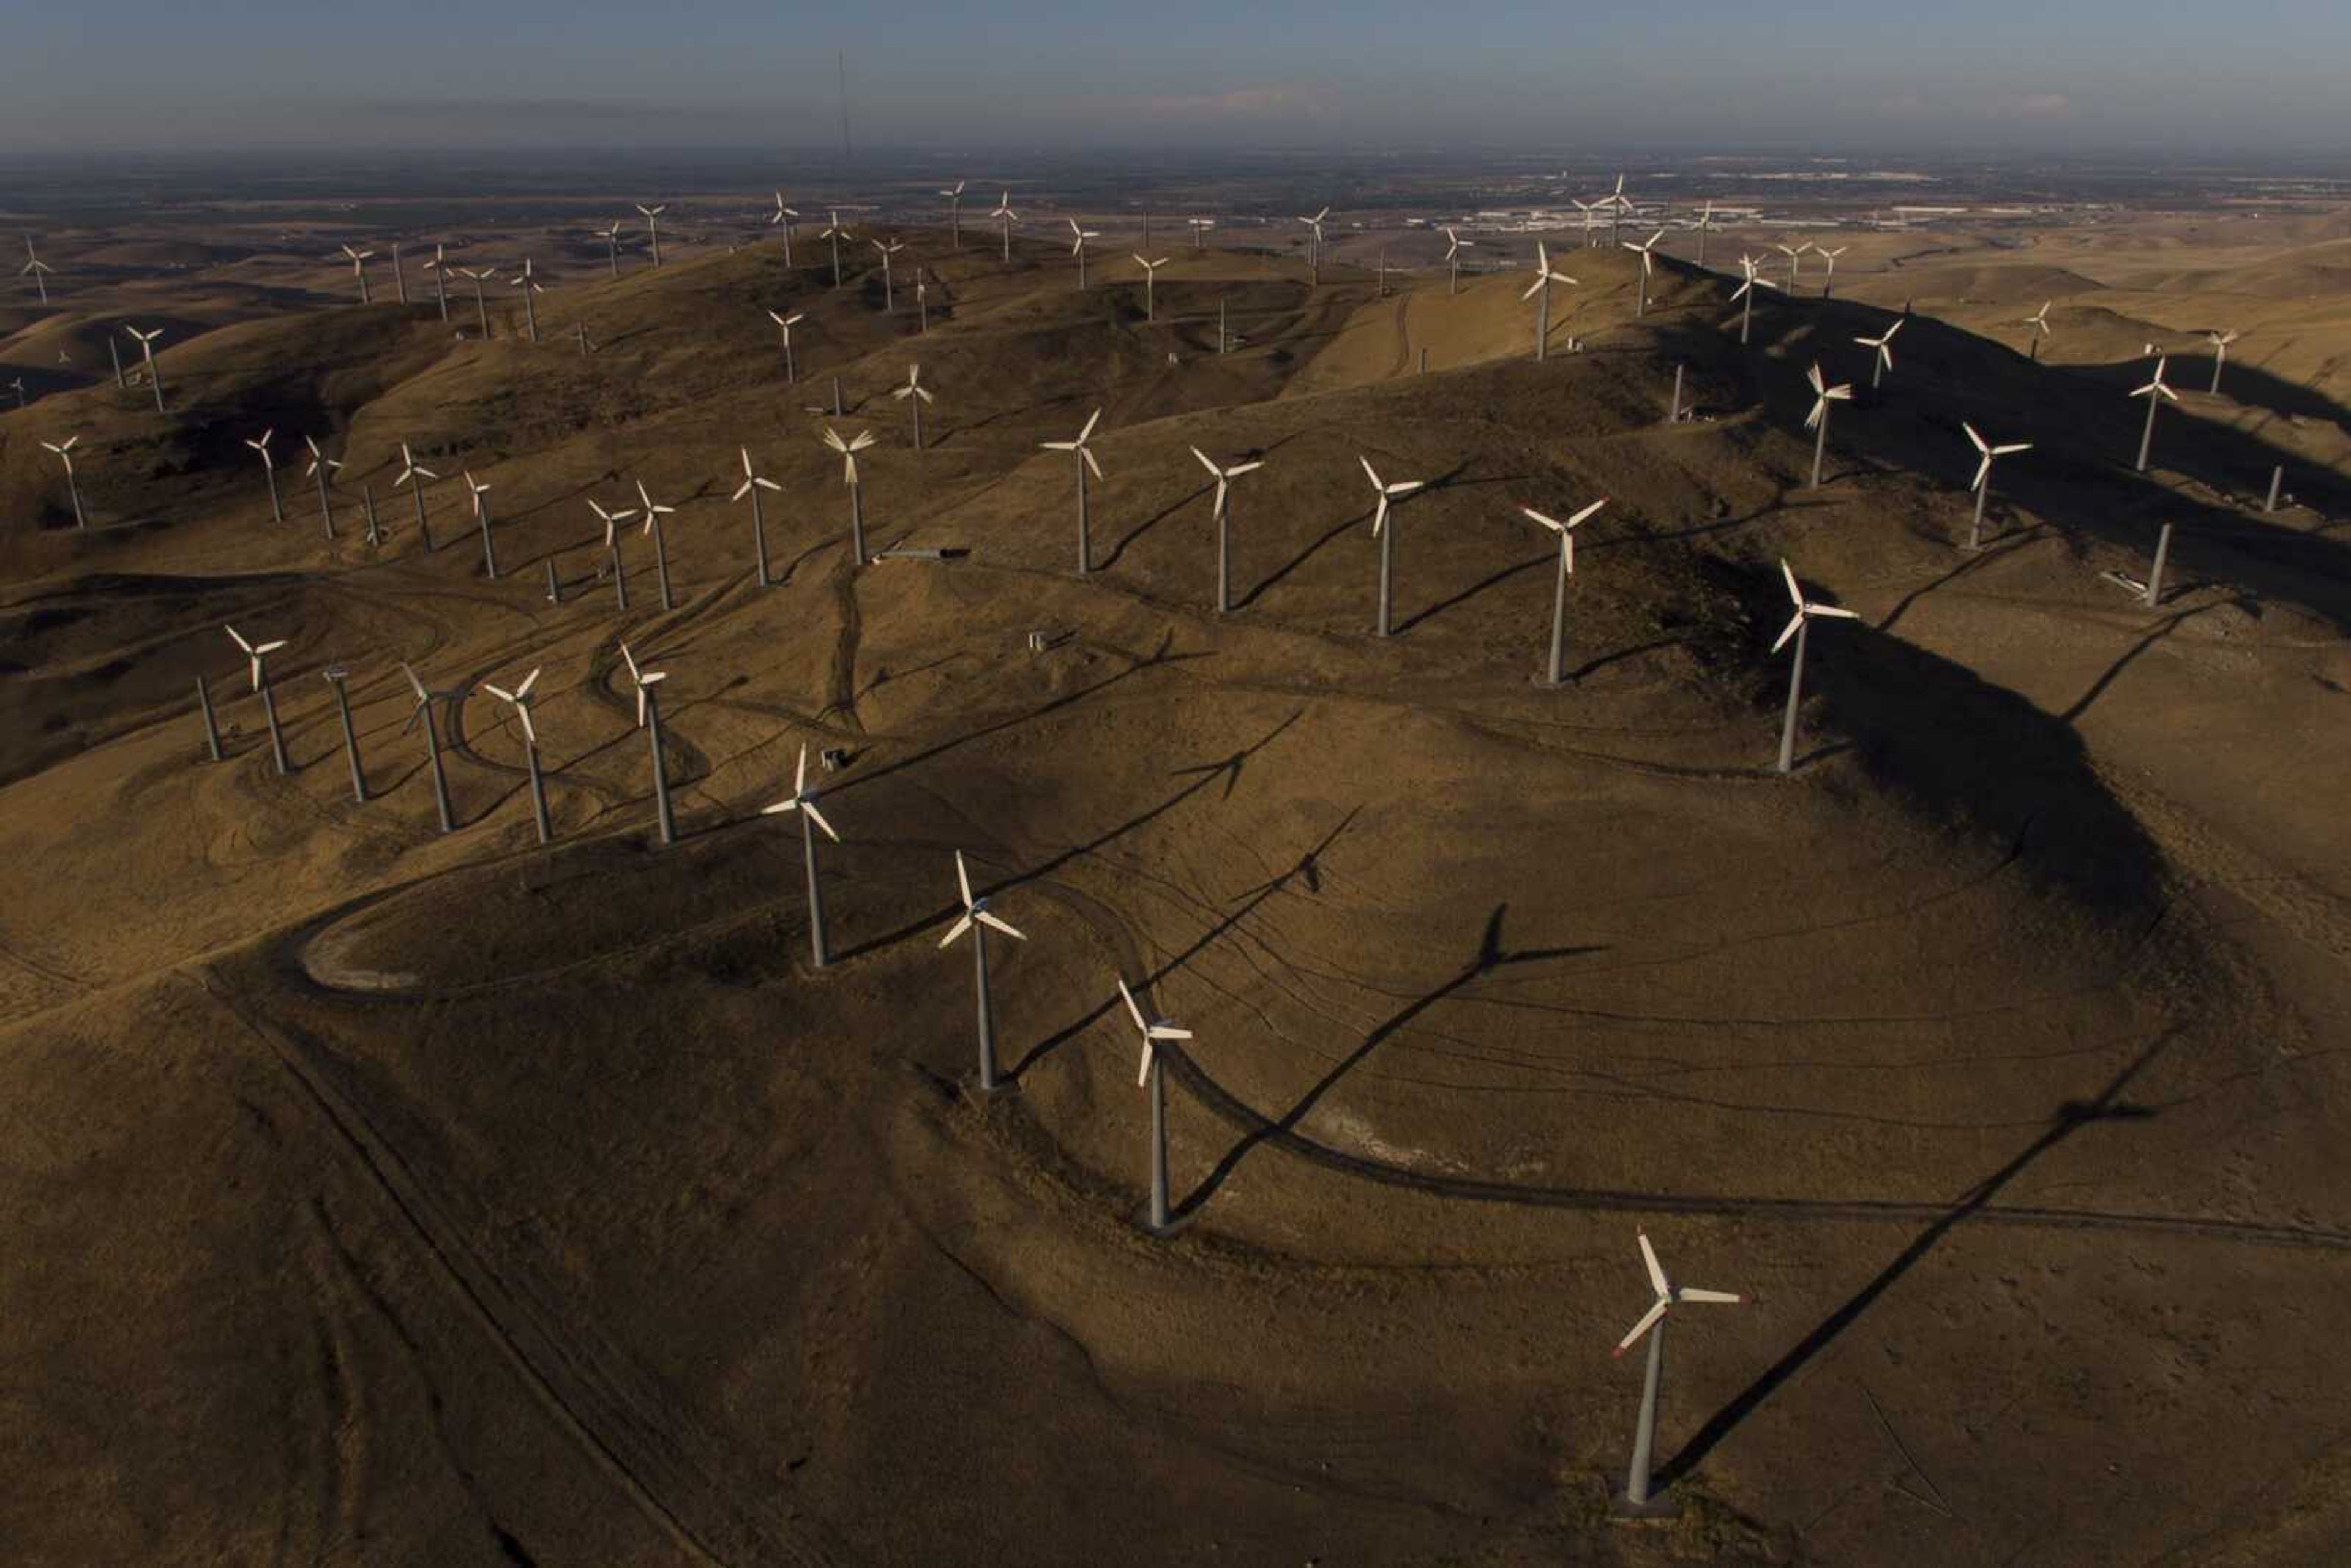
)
(1566, 532)
(322, 468)
(1618, 204)
(1222, 510)
(1085, 460)
(423, 715)
(359, 259)
(64, 449)
(751, 486)
(785, 325)
(2039, 322)
(848, 450)
(611, 238)
(1383, 531)
(977, 920)
(783, 220)
(803, 799)
(1150, 282)
(37, 269)
(648, 684)
(2220, 341)
(1314, 248)
(1653, 1323)
(1744, 295)
(954, 194)
(1882, 350)
(413, 474)
(480, 494)
(1007, 217)
(1454, 246)
(1828, 257)
(1540, 291)
(1591, 210)
(1647, 251)
(1152, 1074)
(519, 699)
(478, 275)
(257, 657)
(439, 267)
(147, 354)
(1200, 227)
(1795, 255)
(1078, 247)
(268, 468)
(652, 514)
(1799, 627)
(914, 396)
(2154, 392)
(1823, 395)
(1704, 226)
(529, 286)
(652, 226)
(833, 232)
(1986, 452)
(889, 285)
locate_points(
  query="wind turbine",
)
(1618, 204)
(1818, 420)
(2039, 322)
(529, 286)
(922, 300)
(652, 514)
(1540, 291)
(477, 490)
(18, 386)
(1982, 485)
(322, 468)
(976, 919)
(1078, 247)
(611, 238)
(1704, 226)
(1882, 348)
(1005, 215)
(783, 220)
(1314, 248)
(413, 474)
(1152, 1074)
(1388, 494)
(652, 226)
(1222, 510)
(1647, 251)
(848, 450)
(914, 395)
(335, 676)
(1798, 626)
(439, 267)
(1828, 284)
(256, 657)
(785, 325)
(2154, 392)
(1150, 282)
(359, 259)
(954, 194)
(147, 354)
(1454, 246)
(612, 521)
(399, 275)
(1591, 210)
(833, 231)
(1566, 532)
(269, 467)
(2220, 341)
(64, 449)
(803, 799)
(889, 288)
(751, 486)
(423, 714)
(1085, 456)
(38, 269)
(481, 308)
(648, 684)
(1200, 226)
(1653, 1323)
(1795, 255)
(520, 699)
(1744, 295)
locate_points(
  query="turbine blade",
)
(1649, 1260)
(1168, 1031)
(1140, 1021)
(1724, 1297)
(1789, 630)
(984, 918)
(963, 879)
(1795, 594)
(818, 817)
(800, 773)
(1648, 1321)
(957, 929)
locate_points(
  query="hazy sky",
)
(1890, 76)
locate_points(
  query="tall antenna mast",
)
(841, 58)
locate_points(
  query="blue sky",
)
(2061, 75)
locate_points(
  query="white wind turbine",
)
(1085, 460)
(753, 483)
(256, 657)
(37, 269)
(785, 324)
(1454, 246)
(1653, 1323)
(1591, 210)
(2219, 341)
(1566, 532)
(479, 493)
(269, 467)
(648, 684)
(612, 521)
(1381, 529)
(1986, 452)
(652, 226)
(611, 238)
(1647, 251)
(64, 449)
(833, 232)
(954, 194)
(1798, 626)
(977, 920)
(652, 514)
(423, 715)
(1744, 295)
(529, 285)
(1828, 255)
(1882, 350)
(1007, 217)
(1795, 255)
(1078, 246)
(783, 220)
(439, 267)
(914, 395)
(889, 287)
(1152, 1073)
(358, 260)
(2154, 392)
(1149, 284)
(1221, 509)
(1818, 420)
(1200, 227)
(2039, 322)
(478, 275)
(848, 450)
(519, 699)
(1314, 248)
(413, 474)
(147, 353)
(322, 468)
(803, 799)
(1618, 204)
(1704, 226)
(1540, 291)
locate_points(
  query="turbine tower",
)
(1381, 530)
(423, 714)
(257, 658)
(848, 450)
(1222, 510)
(413, 474)
(1653, 1323)
(833, 232)
(1314, 248)
(1818, 420)
(753, 483)
(323, 469)
(2154, 392)
(648, 684)
(1540, 291)
(1798, 626)
(977, 920)
(914, 395)
(270, 468)
(783, 220)
(1085, 460)
(529, 286)
(519, 699)
(335, 676)
(64, 449)
(1566, 532)
(954, 194)
(1704, 226)
(37, 269)
(653, 514)
(1152, 1075)
(1986, 452)
(803, 799)
(478, 491)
